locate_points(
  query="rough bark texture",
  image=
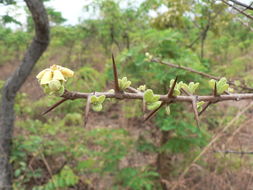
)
(14, 83)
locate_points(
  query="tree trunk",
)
(163, 161)
(14, 83)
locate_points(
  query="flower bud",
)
(54, 85)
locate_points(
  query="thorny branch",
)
(134, 94)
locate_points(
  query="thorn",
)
(87, 110)
(153, 112)
(54, 106)
(115, 74)
(215, 93)
(170, 93)
(204, 108)
(194, 107)
(185, 91)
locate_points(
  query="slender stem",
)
(156, 60)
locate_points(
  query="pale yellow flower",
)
(57, 75)
(55, 72)
(46, 77)
(66, 72)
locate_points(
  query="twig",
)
(156, 60)
(194, 107)
(185, 68)
(233, 152)
(242, 5)
(55, 105)
(131, 89)
(240, 11)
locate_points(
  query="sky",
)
(71, 11)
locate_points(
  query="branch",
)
(231, 82)
(240, 11)
(233, 152)
(165, 98)
(242, 4)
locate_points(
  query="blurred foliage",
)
(56, 152)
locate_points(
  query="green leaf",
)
(154, 105)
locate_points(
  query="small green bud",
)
(230, 90)
(93, 99)
(54, 85)
(101, 99)
(59, 92)
(96, 102)
(167, 110)
(124, 83)
(149, 96)
(176, 92)
(192, 87)
(97, 107)
(142, 88)
(222, 88)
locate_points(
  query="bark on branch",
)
(14, 83)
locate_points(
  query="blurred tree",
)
(13, 84)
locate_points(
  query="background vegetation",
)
(117, 150)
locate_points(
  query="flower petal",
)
(58, 75)
(47, 77)
(66, 72)
(41, 73)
